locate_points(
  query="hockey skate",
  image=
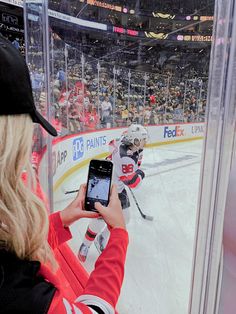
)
(83, 252)
(100, 243)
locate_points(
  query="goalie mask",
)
(136, 134)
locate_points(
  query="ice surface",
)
(159, 261)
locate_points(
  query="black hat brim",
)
(38, 118)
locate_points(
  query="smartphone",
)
(98, 183)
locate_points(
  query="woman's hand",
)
(75, 210)
(112, 214)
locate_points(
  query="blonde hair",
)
(23, 216)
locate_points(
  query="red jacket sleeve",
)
(57, 234)
(106, 280)
(104, 284)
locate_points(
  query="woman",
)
(28, 267)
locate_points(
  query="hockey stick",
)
(73, 191)
(142, 214)
(150, 218)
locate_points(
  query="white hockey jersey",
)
(126, 165)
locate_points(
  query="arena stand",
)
(82, 86)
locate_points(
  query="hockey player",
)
(93, 183)
(126, 155)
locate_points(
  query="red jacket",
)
(103, 286)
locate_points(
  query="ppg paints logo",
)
(78, 148)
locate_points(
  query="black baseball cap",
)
(15, 86)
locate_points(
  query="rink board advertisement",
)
(173, 133)
(71, 153)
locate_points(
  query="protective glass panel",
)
(137, 97)
(213, 263)
(36, 56)
(123, 97)
(102, 78)
(108, 97)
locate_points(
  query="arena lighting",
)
(201, 38)
(180, 37)
(206, 18)
(132, 32)
(17, 3)
(74, 20)
(131, 11)
(105, 5)
(187, 38)
(159, 36)
(104, 27)
(121, 30)
(163, 15)
(181, 17)
(125, 10)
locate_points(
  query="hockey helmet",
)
(135, 133)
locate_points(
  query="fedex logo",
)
(177, 131)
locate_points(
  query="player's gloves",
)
(133, 180)
(140, 173)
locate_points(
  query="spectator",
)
(106, 109)
(61, 76)
(29, 269)
(92, 119)
(16, 43)
(74, 118)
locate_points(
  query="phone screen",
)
(99, 183)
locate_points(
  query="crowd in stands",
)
(84, 100)
(17, 42)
